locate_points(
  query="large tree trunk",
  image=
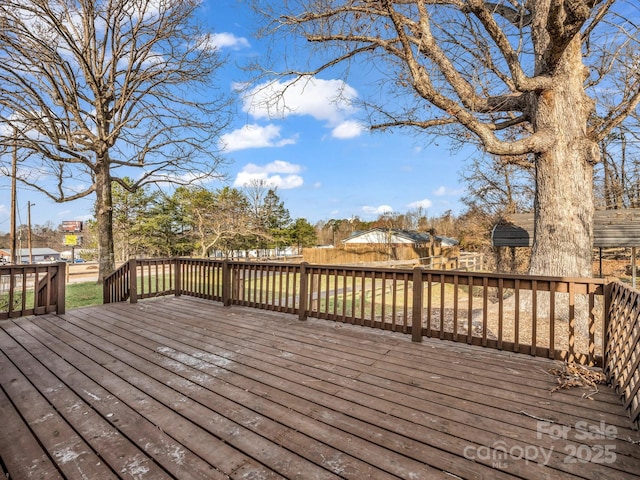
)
(563, 235)
(564, 202)
(104, 220)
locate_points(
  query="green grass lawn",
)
(83, 294)
(76, 295)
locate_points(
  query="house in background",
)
(39, 255)
(396, 236)
(386, 245)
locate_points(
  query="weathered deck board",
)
(184, 388)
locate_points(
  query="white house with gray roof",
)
(39, 255)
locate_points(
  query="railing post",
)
(226, 284)
(61, 279)
(133, 281)
(178, 276)
(304, 291)
(416, 311)
(106, 297)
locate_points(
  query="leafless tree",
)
(498, 185)
(516, 76)
(618, 176)
(90, 88)
(219, 218)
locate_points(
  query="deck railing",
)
(622, 363)
(559, 318)
(571, 319)
(31, 289)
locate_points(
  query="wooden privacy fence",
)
(31, 289)
(622, 364)
(559, 318)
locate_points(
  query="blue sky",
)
(317, 152)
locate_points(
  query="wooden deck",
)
(185, 388)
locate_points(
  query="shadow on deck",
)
(180, 387)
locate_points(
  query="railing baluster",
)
(297, 277)
(500, 312)
(534, 316)
(23, 300)
(336, 292)
(592, 327)
(353, 298)
(485, 310)
(394, 293)
(383, 301)
(552, 318)
(572, 322)
(417, 303)
(455, 307)
(470, 310)
(429, 302)
(372, 312)
(442, 305)
(344, 296)
(516, 316)
(405, 303)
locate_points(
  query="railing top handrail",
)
(30, 266)
(365, 269)
(514, 276)
(510, 276)
(161, 260)
(116, 272)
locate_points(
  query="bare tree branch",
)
(96, 88)
(521, 78)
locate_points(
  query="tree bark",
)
(564, 202)
(104, 220)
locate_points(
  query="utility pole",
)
(29, 205)
(14, 167)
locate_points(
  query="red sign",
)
(72, 226)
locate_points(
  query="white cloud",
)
(348, 129)
(425, 203)
(445, 191)
(380, 210)
(326, 100)
(277, 166)
(254, 136)
(224, 40)
(278, 174)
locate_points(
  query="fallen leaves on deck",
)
(571, 375)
